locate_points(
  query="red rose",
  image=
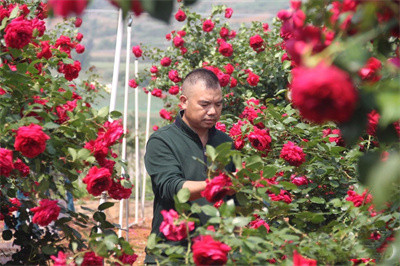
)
(118, 192)
(127, 259)
(21, 167)
(133, 84)
(39, 25)
(79, 36)
(224, 32)
(256, 42)
(79, 48)
(223, 79)
(6, 162)
(153, 69)
(173, 75)
(97, 180)
(293, 154)
(46, 212)
(282, 196)
(166, 61)
(260, 139)
(2, 91)
(323, 93)
(174, 90)
(207, 251)
(220, 126)
(233, 82)
(265, 27)
(373, 119)
(359, 200)
(156, 92)
(225, 49)
(155, 128)
(369, 72)
(253, 79)
(208, 25)
(90, 258)
(229, 69)
(65, 44)
(299, 180)
(30, 140)
(180, 15)
(228, 12)
(178, 41)
(110, 132)
(65, 7)
(232, 34)
(298, 260)
(45, 52)
(137, 51)
(172, 228)
(165, 114)
(258, 223)
(78, 22)
(217, 188)
(338, 140)
(18, 33)
(71, 71)
(60, 260)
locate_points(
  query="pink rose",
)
(137, 51)
(217, 188)
(18, 33)
(220, 126)
(208, 25)
(46, 212)
(293, 154)
(180, 15)
(172, 228)
(166, 61)
(60, 260)
(6, 162)
(97, 180)
(228, 12)
(207, 251)
(323, 93)
(30, 140)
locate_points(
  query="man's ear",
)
(183, 101)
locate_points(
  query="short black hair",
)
(200, 74)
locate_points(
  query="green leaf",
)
(105, 205)
(151, 241)
(183, 195)
(241, 221)
(115, 114)
(99, 216)
(49, 250)
(126, 183)
(73, 153)
(211, 152)
(14, 12)
(83, 154)
(269, 171)
(103, 112)
(210, 210)
(68, 61)
(317, 200)
(227, 209)
(51, 125)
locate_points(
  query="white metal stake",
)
(137, 172)
(103, 197)
(125, 125)
(147, 138)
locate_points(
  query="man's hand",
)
(195, 188)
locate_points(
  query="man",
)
(171, 150)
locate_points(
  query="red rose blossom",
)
(208, 25)
(90, 258)
(127, 259)
(60, 260)
(180, 15)
(293, 154)
(80, 48)
(173, 75)
(224, 32)
(253, 79)
(338, 140)
(174, 90)
(21, 167)
(173, 229)
(228, 12)
(165, 114)
(137, 51)
(153, 69)
(298, 260)
(6, 162)
(111, 132)
(78, 22)
(260, 139)
(207, 251)
(166, 61)
(217, 188)
(323, 93)
(357, 199)
(299, 180)
(45, 52)
(225, 49)
(220, 126)
(118, 192)
(156, 92)
(373, 119)
(18, 33)
(71, 71)
(256, 42)
(97, 180)
(30, 140)
(66, 7)
(132, 83)
(46, 212)
(178, 41)
(369, 72)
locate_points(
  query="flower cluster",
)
(172, 228)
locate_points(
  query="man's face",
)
(202, 107)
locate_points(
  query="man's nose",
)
(212, 110)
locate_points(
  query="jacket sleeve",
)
(164, 169)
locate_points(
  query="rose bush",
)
(314, 163)
(50, 137)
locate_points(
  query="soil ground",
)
(138, 232)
